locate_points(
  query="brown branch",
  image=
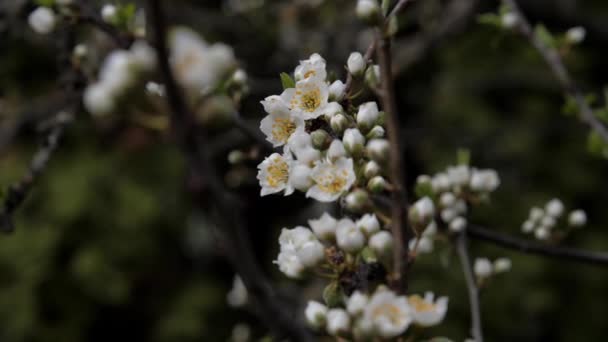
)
(272, 311)
(463, 255)
(553, 59)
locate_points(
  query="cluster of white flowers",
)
(119, 73)
(542, 222)
(320, 162)
(198, 66)
(384, 314)
(484, 268)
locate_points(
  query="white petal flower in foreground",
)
(348, 236)
(331, 179)
(356, 303)
(293, 243)
(427, 312)
(387, 314)
(324, 227)
(273, 174)
(309, 98)
(299, 176)
(313, 67)
(280, 124)
(42, 20)
(316, 314)
(237, 296)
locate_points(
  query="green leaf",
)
(490, 19)
(423, 190)
(570, 107)
(596, 145)
(544, 35)
(287, 81)
(463, 156)
(332, 294)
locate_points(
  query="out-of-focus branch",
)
(463, 255)
(190, 140)
(542, 249)
(555, 63)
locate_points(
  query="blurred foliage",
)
(108, 245)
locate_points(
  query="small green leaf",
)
(332, 294)
(463, 156)
(596, 145)
(287, 81)
(368, 255)
(544, 35)
(423, 190)
(490, 19)
(570, 107)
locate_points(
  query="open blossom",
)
(198, 66)
(426, 311)
(348, 236)
(387, 314)
(324, 227)
(313, 67)
(299, 249)
(300, 143)
(309, 98)
(274, 173)
(331, 180)
(280, 123)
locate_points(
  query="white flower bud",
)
(424, 245)
(554, 208)
(484, 180)
(371, 169)
(372, 76)
(548, 222)
(458, 224)
(155, 89)
(98, 99)
(320, 139)
(143, 56)
(448, 214)
(336, 90)
(109, 13)
(509, 20)
(378, 149)
(324, 227)
(422, 212)
(356, 303)
(542, 233)
(482, 267)
(356, 200)
(299, 176)
(316, 314)
(236, 157)
(241, 333)
(356, 64)
(336, 150)
(376, 132)
(368, 10)
(239, 77)
(576, 34)
(447, 199)
(332, 109)
(338, 321)
(42, 20)
(381, 242)
(368, 224)
(536, 214)
(80, 51)
(349, 237)
(353, 141)
(368, 115)
(237, 297)
(502, 265)
(338, 123)
(528, 227)
(311, 253)
(577, 218)
(377, 184)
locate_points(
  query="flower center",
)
(389, 311)
(308, 101)
(278, 173)
(309, 73)
(420, 304)
(282, 128)
(332, 181)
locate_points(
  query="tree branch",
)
(531, 247)
(463, 255)
(553, 59)
(272, 312)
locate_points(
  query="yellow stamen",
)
(278, 173)
(282, 128)
(420, 304)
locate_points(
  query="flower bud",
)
(381, 243)
(368, 224)
(338, 123)
(368, 115)
(459, 175)
(109, 13)
(336, 90)
(377, 184)
(482, 267)
(336, 150)
(338, 322)
(554, 208)
(576, 35)
(509, 20)
(349, 237)
(320, 139)
(376, 132)
(316, 314)
(441, 182)
(356, 303)
(98, 99)
(356, 64)
(311, 253)
(237, 297)
(536, 214)
(236, 157)
(577, 218)
(324, 227)
(353, 141)
(422, 212)
(239, 77)
(372, 76)
(378, 150)
(299, 176)
(368, 11)
(42, 20)
(448, 214)
(80, 51)
(371, 169)
(458, 224)
(332, 109)
(447, 199)
(542, 233)
(548, 222)
(527, 227)
(484, 180)
(356, 200)
(502, 265)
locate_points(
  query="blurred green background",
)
(109, 247)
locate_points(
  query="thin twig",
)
(553, 59)
(463, 255)
(542, 249)
(272, 311)
(398, 7)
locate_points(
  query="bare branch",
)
(463, 255)
(553, 59)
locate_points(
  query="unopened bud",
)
(336, 150)
(381, 243)
(356, 201)
(378, 150)
(236, 157)
(109, 13)
(353, 141)
(422, 212)
(316, 314)
(338, 123)
(356, 64)
(320, 139)
(372, 76)
(376, 133)
(576, 34)
(367, 116)
(336, 90)
(371, 169)
(368, 11)
(377, 184)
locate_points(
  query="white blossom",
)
(356, 64)
(502, 265)
(371, 169)
(239, 77)
(458, 224)
(143, 55)
(299, 249)
(482, 267)
(368, 115)
(336, 90)
(548, 222)
(377, 149)
(542, 233)
(554, 208)
(348, 236)
(338, 321)
(316, 314)
(368, 224)
(509, 20)
(577, 218)
(426, 311)
(237, 296)
(299, 176)
(331, 180)
(42, 20)
(528, 226)
(484, 180)
(108, 13)
(440, 182)
(447, 199)
(324, 227)
(300, 143)
(98, 99)
(309, 98)
(313, 67)
(280, 123)
(367, 9)
(332, 109)
(387, 314)
(353, 141)
(311, 253)
(459, 175)
(356, 303)
(422, 245)
(536, 214)
(422, 211)
(274, 173)
(576, 34)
